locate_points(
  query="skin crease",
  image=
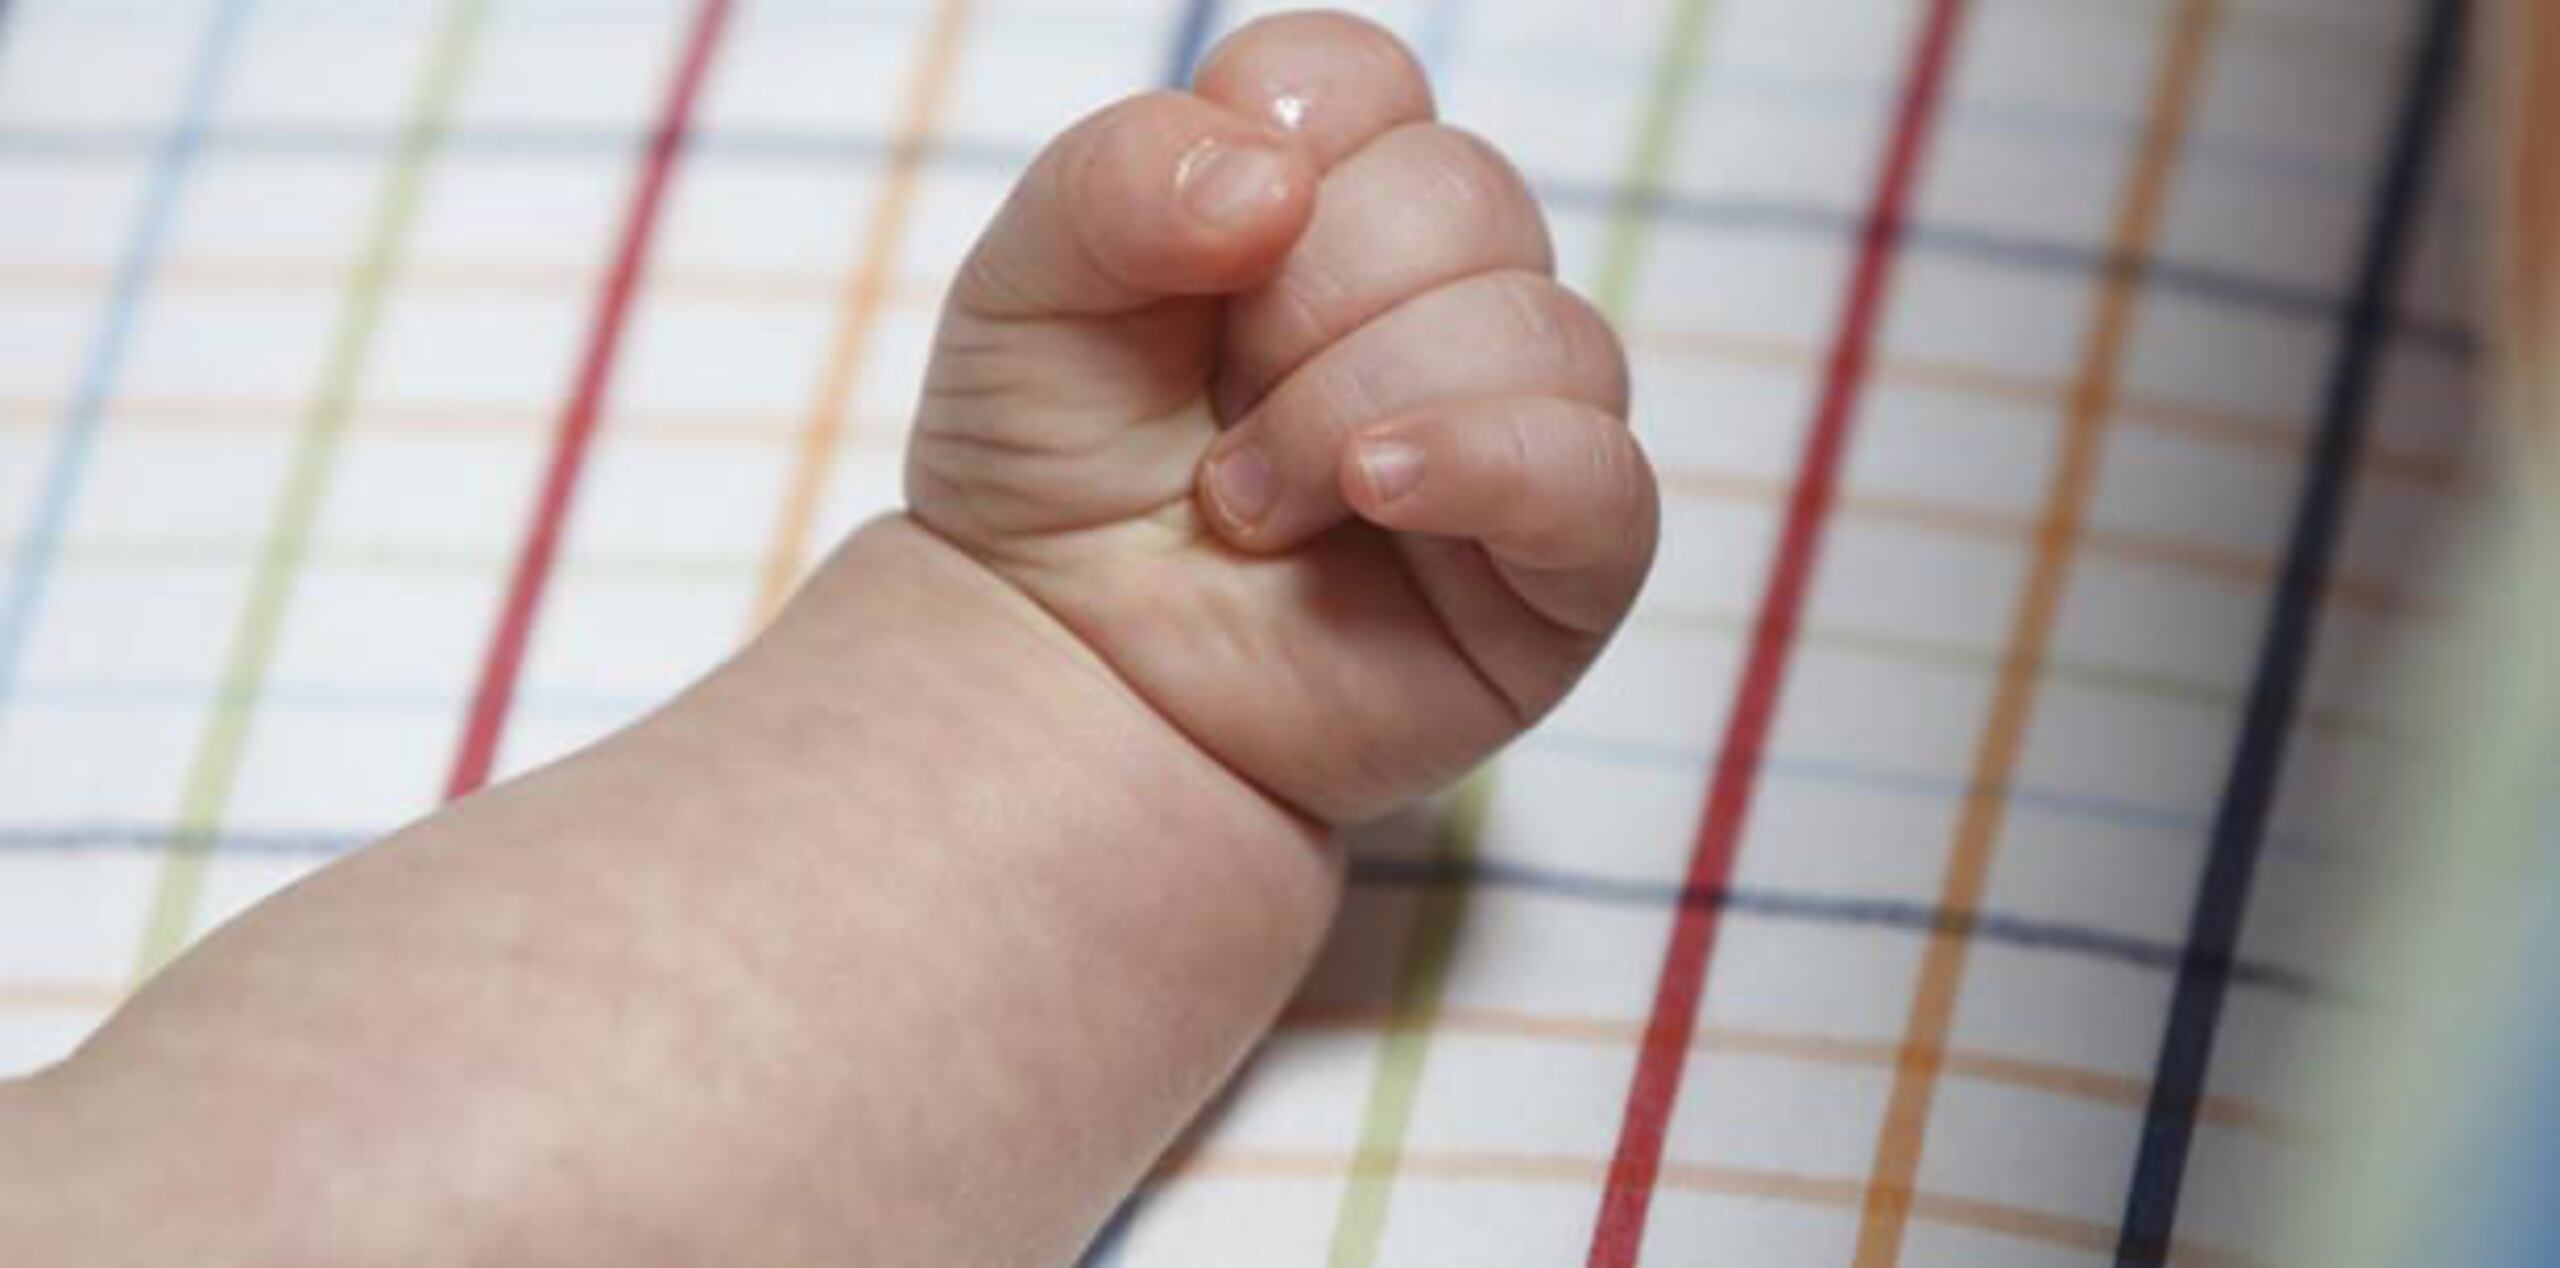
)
(763, 979)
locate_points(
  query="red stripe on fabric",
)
(1663, 1055)
(503, 663)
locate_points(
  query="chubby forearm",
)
(846, 956)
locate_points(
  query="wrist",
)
(904, 650)
(1070, 887)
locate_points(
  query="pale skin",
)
(1264, 481)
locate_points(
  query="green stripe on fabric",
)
(1432, 938)
(1631, 219)
(216, 769)
(1430, 944)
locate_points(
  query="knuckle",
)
(1467, 180)
(1616, 378)
(1557, 331)
(1590, 352)
(1515, 457)
(1597, 484)
(1529, 311)
(1622, 475)
(1460, 170)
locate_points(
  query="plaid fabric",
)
(2058, 402)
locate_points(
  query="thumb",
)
(1091, 308)
(1160, 196)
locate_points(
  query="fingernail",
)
(1391, 467)
(1225, 183)
(1243, 484)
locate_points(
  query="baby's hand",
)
(1267, 391)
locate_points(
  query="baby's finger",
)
(1090, 308)
(1270, 481)
(1332, 79)
(1159, 196)
(1419, 207)
(1557, 491)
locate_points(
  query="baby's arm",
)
(905, 939)
(914, 933)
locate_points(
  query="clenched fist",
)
(1268, 392)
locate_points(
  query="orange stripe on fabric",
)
(1891, 1200)
(34, 996)
(2528, 276)
(749, 288)
(866, 292)
(2372, 596)
(2180, 418)
(2074, 1082)
(2534, 169)
(2255, 571)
